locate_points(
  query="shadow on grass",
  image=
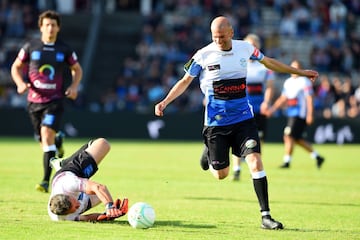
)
(304, 230)
(164, 224)
(282, 202)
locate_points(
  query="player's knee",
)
(254, 162)
(220, 174)
(103, 143)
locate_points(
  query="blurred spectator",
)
(324, 98)
(288, 25)
(14, 21)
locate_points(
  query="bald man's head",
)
(220, 23)
(222, 33)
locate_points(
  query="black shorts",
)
(46, 114)
(220, 139)
(81, 163)
(261, 121)
(295, 128)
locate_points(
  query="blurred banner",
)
(181, 126)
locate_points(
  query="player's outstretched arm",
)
(174, 92)
(278, 66)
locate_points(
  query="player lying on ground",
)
(73, 193)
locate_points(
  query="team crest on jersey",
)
(243, 62)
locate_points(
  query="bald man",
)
(229, 119)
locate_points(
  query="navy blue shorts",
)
(295, 128)
(46, 114)
(81, 163)
(220, 139)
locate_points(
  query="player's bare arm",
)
(76, 72)
(174, 92)
(16, 74)
(277, 104)
(102, 192)
(278, 66)
(310, 110)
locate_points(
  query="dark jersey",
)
(46, 65)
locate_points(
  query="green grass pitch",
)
(189, 203)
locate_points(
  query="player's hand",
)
(22, 88)
(71, 93)
(118, 209)
(159, 109)
(312, 75)
(264, 107)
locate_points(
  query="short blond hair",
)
(60, 204)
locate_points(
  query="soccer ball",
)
(141, 215)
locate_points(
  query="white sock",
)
(49, 148)
(287, 158)
(313, 154)
(236, 168)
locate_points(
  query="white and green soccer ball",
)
(141, 215)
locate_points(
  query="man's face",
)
(49, 29)
(222, 37)
(74, 205)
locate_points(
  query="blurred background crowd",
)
(324, 35)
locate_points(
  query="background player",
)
(260, 91)
(45, 61)
(297, 93)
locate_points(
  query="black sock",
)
(46, 163)
(261, 190)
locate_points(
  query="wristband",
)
(109, 205)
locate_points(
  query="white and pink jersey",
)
(222, 77)
(70, 184)
(296, 89)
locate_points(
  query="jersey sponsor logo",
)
(214, 67)
(229, 89)
(47, 70)
(60, 57)
(41, 85)
(227, 54)
(48, 49)
(35, 55)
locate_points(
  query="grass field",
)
(189, 203)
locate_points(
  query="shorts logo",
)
(48, 119)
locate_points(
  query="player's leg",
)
(261, 189)
(313, 154)
(288, 150)
(98, 149)
(59, 140)
(204, 159)
(290, 134)
(49, 150)
(218, 151)
(236, 167)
